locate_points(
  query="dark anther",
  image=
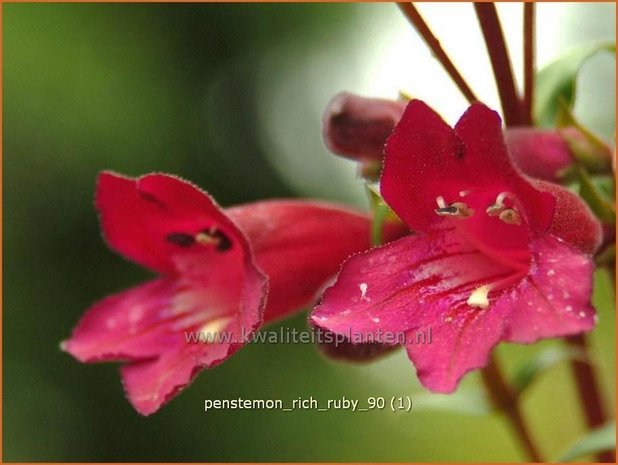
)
(450, 210)
(223, 242)
(181, 239)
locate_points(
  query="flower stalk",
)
(506, 401)
(529, 42)
(500, 62)
(589, 390)
(412, 14)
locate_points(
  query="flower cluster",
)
(482, 254)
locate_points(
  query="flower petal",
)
(573, 220)
(427, 160)
(156, 218)
(152, 326)
(300, 245)
(457, 346)
(421, 163)
(127, 326)
(151, 319)
(413, 282)
(488, 163)
(554, 299)
(150, 384)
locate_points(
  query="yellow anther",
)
(494, 210)
(204, 238)
(510, 216)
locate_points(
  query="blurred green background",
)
(197, 90)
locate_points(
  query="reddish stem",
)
(505, 400)
(410, 11)
(589, 392)
(529, 42)
(500, 62)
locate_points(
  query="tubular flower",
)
(495, 258)
(215, 269)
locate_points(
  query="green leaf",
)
(556, 82)
(598, 440)
(603, 207)
(471, 402)
(540, 363)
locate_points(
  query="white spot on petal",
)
(363, 289)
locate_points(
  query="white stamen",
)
(501, 197)
(441, 203)
(479, 297)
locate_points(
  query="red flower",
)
(215, 270)
(495, 257)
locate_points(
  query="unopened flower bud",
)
(547, 153)
(357, 127)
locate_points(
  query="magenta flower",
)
(216, 268)
(495, 258)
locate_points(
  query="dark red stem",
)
(505, 400)
(588, 389)
(500, 62)
(410, 11)
(528, 61)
